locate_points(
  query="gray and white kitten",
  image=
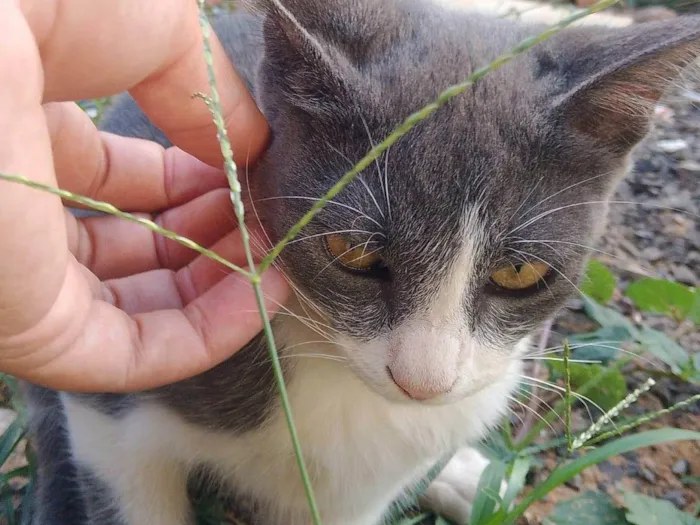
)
(424, 338)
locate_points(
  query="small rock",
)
(683, 274)
(651, 254)
(681, 467)
(575, 483)
(672, 145)
(676, 497)
(689, 165)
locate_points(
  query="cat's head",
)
(443, 255)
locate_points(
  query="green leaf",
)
(516, 481)
(644, 510)
(590, 508)
(607, 394)
(662, 297)
(565, 472)
(602, 345)
(488, 492)
(10, 439)
(657, 343)
(599, 282)
(605, 316)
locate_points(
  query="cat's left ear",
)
(611, 80)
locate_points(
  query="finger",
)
(116, 352)
(161, 62)
(161, 289)
(132, 174)
(31, 221)
(112, 247)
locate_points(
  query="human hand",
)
(100, 304)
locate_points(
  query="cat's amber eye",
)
(361, 257)
(521, 276)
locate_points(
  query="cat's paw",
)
(453, 491)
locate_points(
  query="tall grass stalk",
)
(214, 105)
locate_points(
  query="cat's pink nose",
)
(418, 391)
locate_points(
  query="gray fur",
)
(526, 139)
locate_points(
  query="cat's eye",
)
(358, 257)
(520, 277)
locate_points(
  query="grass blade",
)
(615, 448)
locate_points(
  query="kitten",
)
(420, 283)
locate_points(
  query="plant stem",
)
(214, 105)
(567, 397)
(113, 210)
(423, 113)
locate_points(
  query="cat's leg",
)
(127, 473)
(452, 493)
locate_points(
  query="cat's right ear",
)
(313, 49)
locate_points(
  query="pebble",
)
(676, 497)
(681, 467)
(672, 145)
(683, 274)
(689, 165)
(652, 254)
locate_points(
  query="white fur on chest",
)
(361, 450)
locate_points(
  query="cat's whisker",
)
(576, 204)
(542, 402)
(649, 271)
(359, 177)
(529, 194)
(533, 411)
(336, 232)
(546, 385)
(569, 187)
(376, 162)
(558, 349)
(336, 203)
(617, 348)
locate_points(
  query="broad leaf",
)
(591, 508)
(605, 316)
(662, 297)
(644, 510)
(599, 282)
(516, 481)
(657, 343)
